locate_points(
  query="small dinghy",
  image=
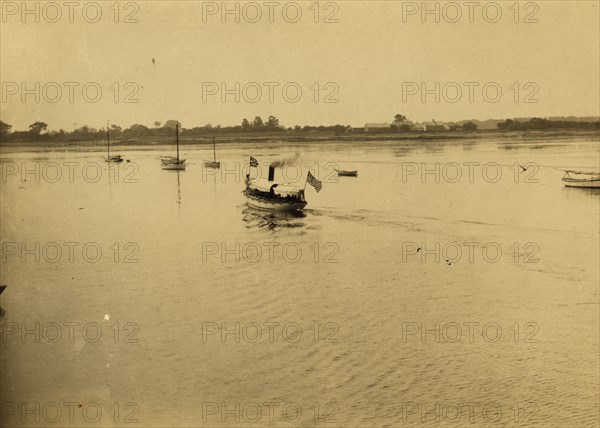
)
(343, 173)
(584, 179)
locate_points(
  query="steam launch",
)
(272, 196)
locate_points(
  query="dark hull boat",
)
(271, 196)
(343, 173)
(115, 158)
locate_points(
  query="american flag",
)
(314, 182)
(253, 162)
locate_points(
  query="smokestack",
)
(271, 173)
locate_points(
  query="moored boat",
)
(173, 166)
(109, 158)
(343, 173)
(168, 159)
(114, 158)
(214, 163)
(583, 179)
(173, 163)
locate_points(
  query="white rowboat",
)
(582, 179)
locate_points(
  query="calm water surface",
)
(336, 309)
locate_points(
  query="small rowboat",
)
(343, 173)
(583, 179)
(114, 158)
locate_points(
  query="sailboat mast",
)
(107, 140)
(177, 134)
(214, 150)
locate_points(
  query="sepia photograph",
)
(309, 213)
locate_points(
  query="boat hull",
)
(586, 184)
(212, 164)
(170, 159)
(115, 159)
(348, 173)
(270, 205)
(173, 166)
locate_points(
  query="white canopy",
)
(263, 185)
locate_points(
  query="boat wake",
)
(272, 220)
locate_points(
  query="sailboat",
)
(213, 163)
(109, 158)
(173, 163)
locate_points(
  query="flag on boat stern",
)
(253, 162)
(314, 182)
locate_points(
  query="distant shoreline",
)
(315, 137)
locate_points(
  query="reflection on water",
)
(351, 271)
(508, 146)
(402, 151)
(178, 189)
(576, 193)
(167, 174)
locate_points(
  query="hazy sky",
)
(372, 61)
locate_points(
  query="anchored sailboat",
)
(173, 163)
(213, 163)
(109, 158)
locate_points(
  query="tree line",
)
(39, 130)
(541, 124)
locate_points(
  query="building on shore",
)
(435, 126)
(403, 125)
(375, 128)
